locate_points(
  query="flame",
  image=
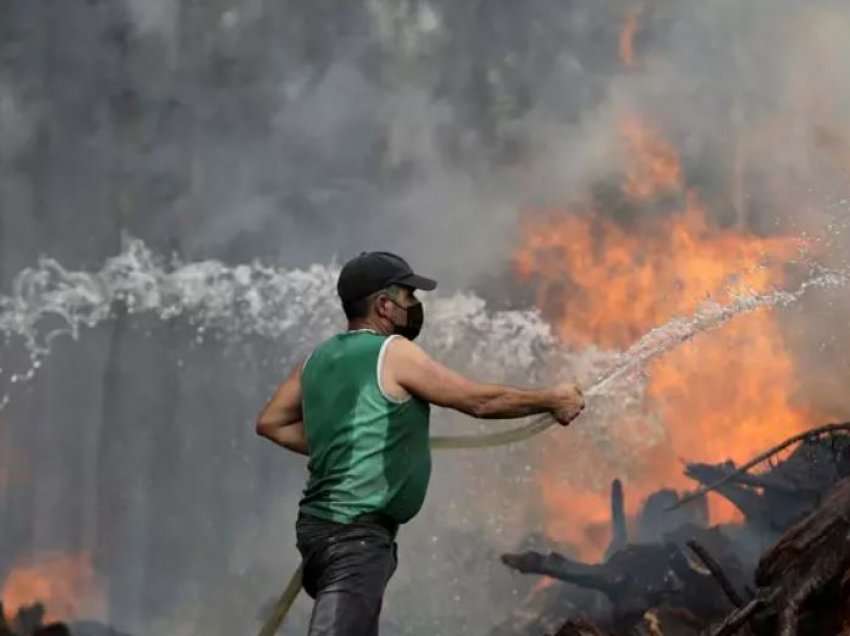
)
(607, 283)
(627, 37)
(65, 584)
(624, 281)
(657, 169)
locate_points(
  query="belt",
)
(379, 519)
(368, 518)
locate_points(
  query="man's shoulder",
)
(346, 344)
(401, 351)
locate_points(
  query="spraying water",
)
(300, 307)
(655, 343)
(296, 308)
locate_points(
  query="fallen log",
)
(809, 556)
(802, 586)
(635, 579)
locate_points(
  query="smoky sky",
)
(270, 130)
(300, 132)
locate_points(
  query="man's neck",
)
(366, 324)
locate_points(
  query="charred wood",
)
(635, 579)
(619, 534)
(802, 586)
(658, 517)
(766, 507)
(580, 628)
(28, 619)
(717, 572)
(811, 555)
(689, 580)
(733, 623)
(838, 464)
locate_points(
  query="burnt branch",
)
(559, 567)
(619, 533)
(717, 572)
(740, 617)
(823, 430)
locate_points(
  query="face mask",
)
(413, 325)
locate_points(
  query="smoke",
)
(16, 125)
(299, 133)
(158, 17)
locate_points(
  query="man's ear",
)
(381, 306)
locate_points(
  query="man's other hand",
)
(569, 402)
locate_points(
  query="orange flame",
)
(727, 395)
(65, 584)
(656, 169)
(627, 37)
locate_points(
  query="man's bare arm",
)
(416, 372)
(291, 437)
(281, 420)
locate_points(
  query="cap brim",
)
(417, 282)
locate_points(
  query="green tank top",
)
(368, 452)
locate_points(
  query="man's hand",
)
(569, 402)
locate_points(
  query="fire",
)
(657, 170)
(627, 37)
(624, 281)
(65, 584)
(603, 282)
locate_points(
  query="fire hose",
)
(447, 442)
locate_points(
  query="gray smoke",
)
(298, 133)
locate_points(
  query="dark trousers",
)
(346, 570)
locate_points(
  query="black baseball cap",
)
(374, 271)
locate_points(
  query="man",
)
(359, 408)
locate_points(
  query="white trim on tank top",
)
(380, 366)
(306, 360)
